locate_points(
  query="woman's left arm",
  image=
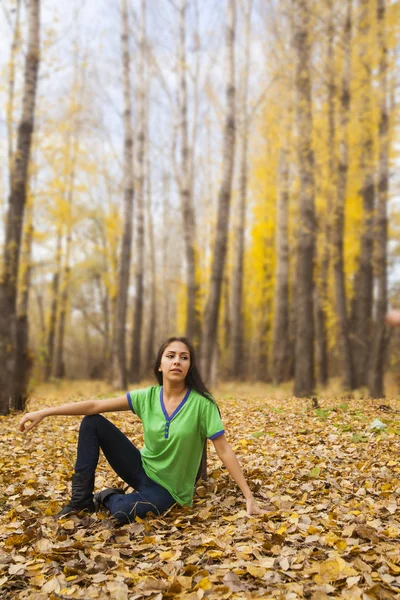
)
(228, 457)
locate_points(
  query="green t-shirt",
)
(174, 444)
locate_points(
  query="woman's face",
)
(175, 362)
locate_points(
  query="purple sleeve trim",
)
(212, 437)
(130, 402)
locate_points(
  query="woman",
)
(177, 415)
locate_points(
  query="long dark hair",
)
(193, 378)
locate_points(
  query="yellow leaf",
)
(204, 584)
(68, 525)
(282, 530)
(239, 515)
(328, 571)
(392, 531)
(166, 555)
(255, 571)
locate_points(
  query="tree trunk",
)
(59, 368)
(15, 216)
(209, 334)
(237, 275)
(119, 374)
(55, 290)
(304, 368)
(324, 246)
(136, 362)
(186, 193)
(11, 89)
(338, 210)
(23, 358)
(150, 347)
(321, 344)
(376, 371)
(281, 343)
(363, 298)
(166, 297)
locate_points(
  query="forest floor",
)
(329, 482)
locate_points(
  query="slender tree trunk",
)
(15, 216)
(166, 297)
(23, 357)
(186, 193)
(55, 292)
(119, 373)
(59, 369)
(227, 326)
(304, 369)
(237, 275)
(363, 298)
(281, 343)
(11, 89)
(321, 289)
(321, 343)
(150, 349)
(263, 363)
(380, 338)
(209, 334)
(338, 210)
(136, 358)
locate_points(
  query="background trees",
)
(123, 107)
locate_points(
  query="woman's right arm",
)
(86, 407)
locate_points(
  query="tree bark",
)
(15, 216)
(59, 367)
(186, 193)
(209, 334)
(281, 343)
(363, 298)
(380, 337)
(11, 89)
(23, 357)
(166, 296)
(55, 292)
(119, 372)
(324, 246)
(150, 347)
(136, 358)
(338, 210)
(237, 275)
(304, 368)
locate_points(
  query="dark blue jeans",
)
(97, 432)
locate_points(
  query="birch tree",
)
(363, 296)
(304, 366)
(119, 371)
(136, 359)
(339, 207)
(237, 275)
(210, 325)
(16, 209)
(281, 342)
(376, 388)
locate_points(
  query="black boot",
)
(101, 497)
(82, 495)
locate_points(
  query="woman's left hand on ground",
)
(253, 508)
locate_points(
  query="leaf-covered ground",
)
(330, 485)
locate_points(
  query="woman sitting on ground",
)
(177, 416)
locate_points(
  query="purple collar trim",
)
(178, 408)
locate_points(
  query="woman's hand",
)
(30, 420)
(253, 508)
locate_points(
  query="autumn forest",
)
(227, 171)
(221, 170)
